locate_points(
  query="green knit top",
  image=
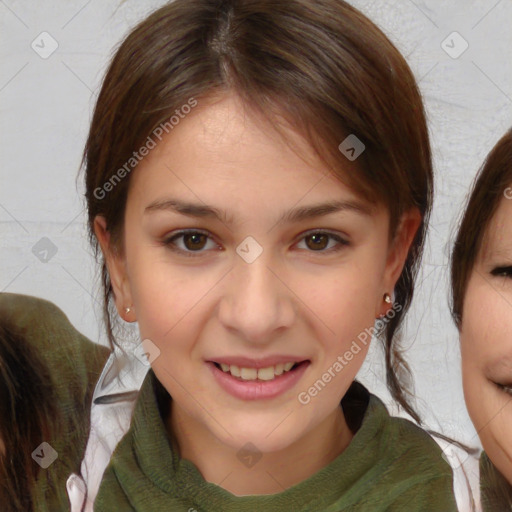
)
(74, 364)
(495, 491)
(390, 465)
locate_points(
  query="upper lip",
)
(264, 362)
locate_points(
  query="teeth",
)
(248, 373)
(268, 373)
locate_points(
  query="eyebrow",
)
(499, 250)
(294, 215)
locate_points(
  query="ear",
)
(116, 265)
(398, 251)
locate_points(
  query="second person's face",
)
(486, 341)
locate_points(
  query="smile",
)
(250, 383)
(268, 373)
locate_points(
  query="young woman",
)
(481, 306)
(47, 375)
(259, 183)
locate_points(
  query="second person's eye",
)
(502, 271)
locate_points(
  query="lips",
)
(263, 378)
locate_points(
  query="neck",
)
(275, 471)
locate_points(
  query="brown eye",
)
(194, 241)
(323, 242)
(502, 271)
(190, 243)
(319, 241)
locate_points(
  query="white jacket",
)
(111, 411)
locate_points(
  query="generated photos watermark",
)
(363, 338)
(150, 143)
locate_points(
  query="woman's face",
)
(252, 288)
(486, 341)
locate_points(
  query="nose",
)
(257, 305)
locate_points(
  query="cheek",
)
(486, 332)
(343, 295)
(478, 324)
(474, 343)
(167, 297)
(346, 307)
(486, 335)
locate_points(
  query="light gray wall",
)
(45, 110)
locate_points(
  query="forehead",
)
(224, 148)
(224, 131)
(497, 240)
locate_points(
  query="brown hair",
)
(322, 66)
(27, 416)
(487, 193)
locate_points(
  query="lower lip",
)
(258, 389)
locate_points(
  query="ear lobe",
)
(399, 248)
(116, 266)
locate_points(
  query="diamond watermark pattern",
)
(44, 250)
(44, 45)
(146, 352)
(45, 455)
(249, 455)
(249, 250)
(454, 45)
(352, 147)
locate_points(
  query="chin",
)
(265, 438)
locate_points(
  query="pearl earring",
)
(387, 298)
(127, 310)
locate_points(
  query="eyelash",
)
(502, 272)
(169, 242)
(505, 389)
